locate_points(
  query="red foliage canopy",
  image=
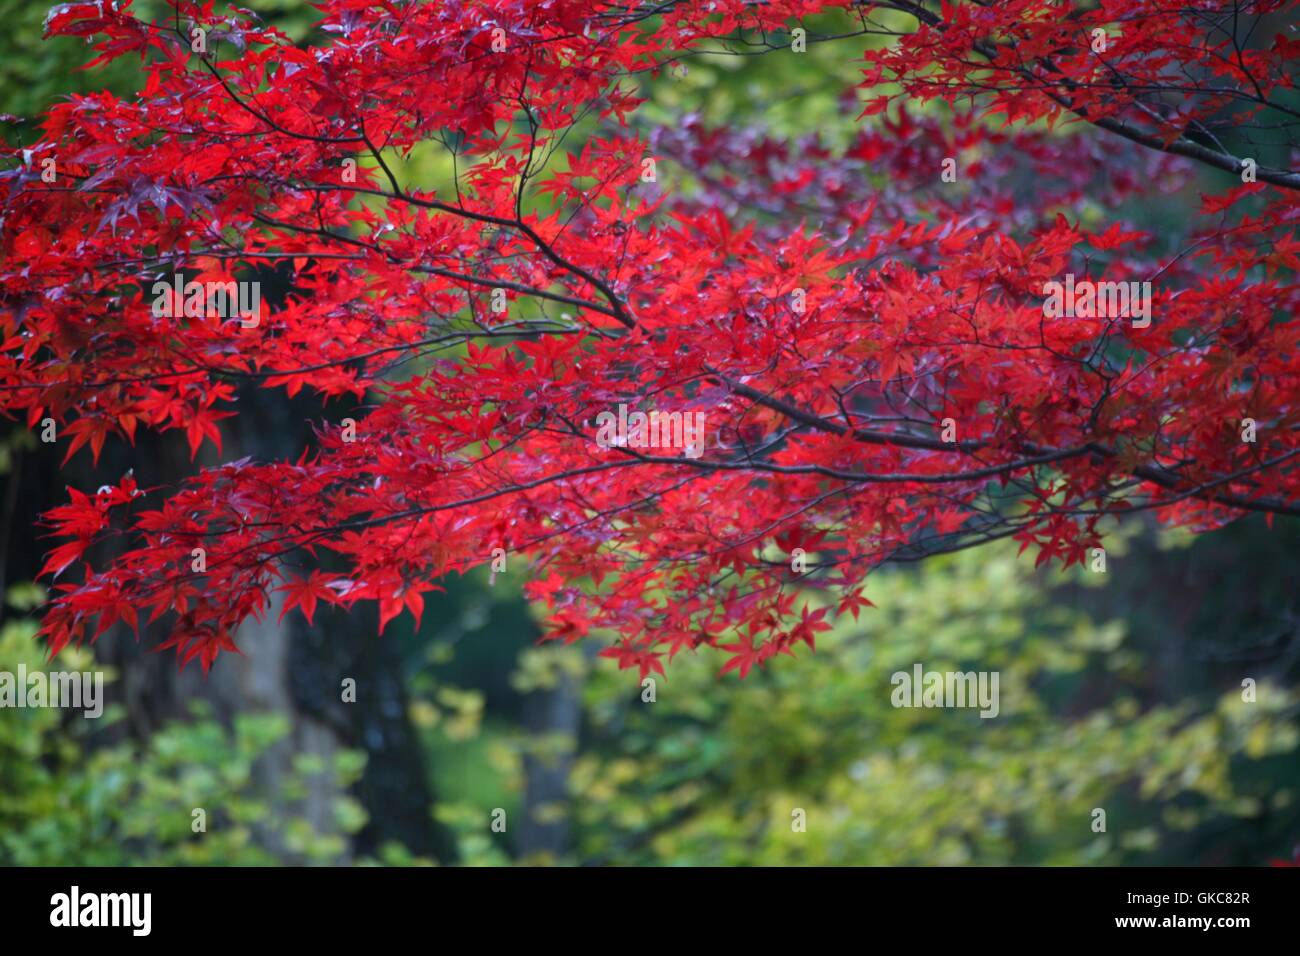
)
(864, 343)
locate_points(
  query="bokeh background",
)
(1120, 691)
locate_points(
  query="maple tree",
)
(866, 339)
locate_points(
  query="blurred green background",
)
(1120, 691)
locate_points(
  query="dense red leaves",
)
(866, 342)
